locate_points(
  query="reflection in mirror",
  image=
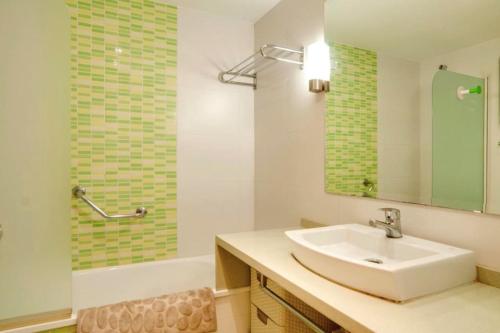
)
(412, 114)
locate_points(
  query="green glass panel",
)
(457, 142)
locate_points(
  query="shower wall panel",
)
(123, 129)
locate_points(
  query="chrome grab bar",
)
(80, 192)
(308, 322)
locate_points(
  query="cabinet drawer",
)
(261, 323)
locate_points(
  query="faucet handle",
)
(391, 214)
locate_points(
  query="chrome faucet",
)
(392, 223)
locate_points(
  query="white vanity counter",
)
(470, 308)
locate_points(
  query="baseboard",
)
(38, 318)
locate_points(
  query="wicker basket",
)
(277, 316)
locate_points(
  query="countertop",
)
(472, 308)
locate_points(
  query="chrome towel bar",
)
(245, 73)
(80, 192)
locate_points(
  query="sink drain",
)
(374, 260)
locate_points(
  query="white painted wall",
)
(288, 121)
(480, 60)
(289, 153)
(215, 146)
(35, 250)
(398, 130)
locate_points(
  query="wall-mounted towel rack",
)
(248, 68)
(79, 192)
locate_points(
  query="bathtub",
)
(102, 286)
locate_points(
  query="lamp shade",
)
(317, 61)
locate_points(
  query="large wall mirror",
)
(413, 111)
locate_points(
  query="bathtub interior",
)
(102, 286)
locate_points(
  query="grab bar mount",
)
(80, 193)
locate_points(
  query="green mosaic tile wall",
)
(123, 123)
(351, 122)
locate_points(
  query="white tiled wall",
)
(215, 132)
(289, 143)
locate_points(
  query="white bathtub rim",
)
(208, 258)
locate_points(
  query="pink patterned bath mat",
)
(185, 312)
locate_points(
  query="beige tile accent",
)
(307, 224)
(488, 276)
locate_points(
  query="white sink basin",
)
(363, 258)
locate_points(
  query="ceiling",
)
(412, 29)
(248, 10)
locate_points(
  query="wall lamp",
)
(317, 67)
